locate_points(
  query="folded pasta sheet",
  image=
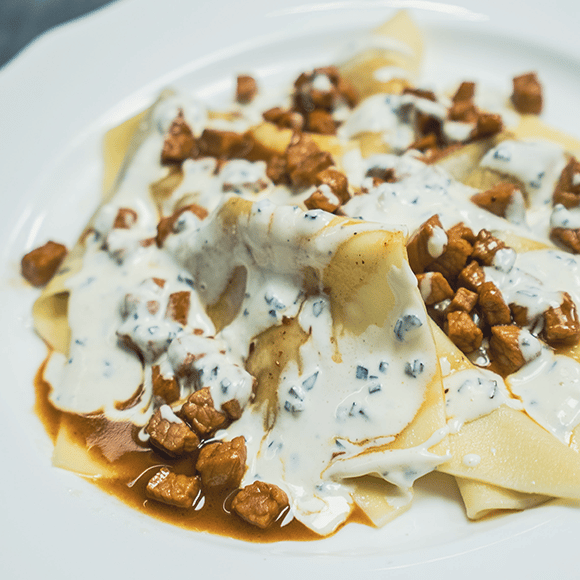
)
(293, 309)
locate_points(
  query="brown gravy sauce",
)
(116, 445)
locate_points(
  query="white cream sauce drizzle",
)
(549, 387)
(419, 192)
(537, 164)
(474, 393)
(348, 422)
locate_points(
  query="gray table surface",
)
(21, 21)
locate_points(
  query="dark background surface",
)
(21, 21)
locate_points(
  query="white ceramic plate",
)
(56, 100)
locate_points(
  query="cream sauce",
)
(352, 388)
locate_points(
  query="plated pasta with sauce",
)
(286, 312)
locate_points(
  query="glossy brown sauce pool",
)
(106, 439)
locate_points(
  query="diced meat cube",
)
(464, 111)
(232, 408)
(420, 93)
(420, 247)
(567, 190)
(164, 388)
(504, 348)
(125, 219)
(347, 91)
(561, 325)
(246, 89)
(170, 434)
(284, 119)
(497, 200)
(320, 121)
(224, 144)
(223, 463)
(179, 143)
(457, 251)
(465, 92)
(41, 264)
(568, 238)
(305, 160)
(472, 276)
(486, 247)
(434, 287)
(463, 332)
(178, 306)
(336, 180)
(173, 489)
(492, 304)
(464, 300)
(519, 315)
(323, 199)
(199, 412)
(380, 173)
(260, 503)
(276, 170)
(323, 88)
(527, 94)
(307, 97)
(488, 124)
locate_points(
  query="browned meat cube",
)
(347, 91)
(223, 463)
(199, 412)
(493, 306)
(164, 388)
(321, 200)
(178, 306)
(567, 190)
(246, 89)
(179, 142)
(463, 332)
(486, 247)
(420, 93)
(457, 251)
(276, 170)
(488, 124)
(260, 503)
(224, 144)
(336, 180)
(169, 433)
(41, 264)
(497, 199)
(310, 95)
(465, 92)
(321, 121)
(504, 348)
(464, 300)
(519, 315)
(418, 245)
(464, 111)
(527, 94)
(472, 276)
(305, 160)
(569, 239)
(284, 119)
(173, 489)
(125, 218)
(434, 288)
(561, 325)
(232, 407)
(380, 174)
